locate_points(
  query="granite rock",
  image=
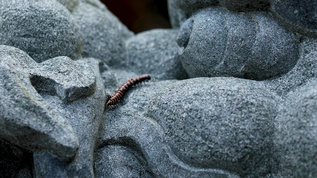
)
(121, 161)
(191, 6)
(223, 123)
(69, 4)
(64, 78)
(48, 165)
(253, 46)
(52, 120)
(104, 35)
(96, 3)
(85, 116)
(155, 53)
(141, 141)
(176, 15)
(180, 10)
(27, 119)
(61, 102)
(175, 111)
(304, 70)
(295, 138)
(297, 15)
(43, 29)
(136, 99)
(245, 5)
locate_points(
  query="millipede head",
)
(146, 77)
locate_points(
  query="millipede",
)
(125, 87)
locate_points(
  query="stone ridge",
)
(232, 90)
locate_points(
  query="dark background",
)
(140, 15)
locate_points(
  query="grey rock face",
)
(55, 117)
(26, 118)
(298, 16)
(136, 99)
(69, 4)
(43, 29)
(64, 78)
(155, 53)
(205, 124)
(85, 116)
(190, 6)
(121, 161)
(49, 165)
(296, 132)
(52, 120)
(245, 5)
(253, 46)
(131, 136)
(104, 35)
(177, 16)
(142, 142)
(304, 70)
(222, 123)
(96, 3)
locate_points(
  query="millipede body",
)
(125, 87)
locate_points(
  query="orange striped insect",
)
(125, 87)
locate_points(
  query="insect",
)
(125, 87)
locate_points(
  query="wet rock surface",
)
(247, 107)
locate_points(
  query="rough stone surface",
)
(296, 132)
(69, 4)
(85, 115)
(177, 16)
(52, 119)
(26, 119)
(246, 109)
(137, 97)
(190, 6)
(253, 46)
(43, 29)
(104, 35)
(304, 70)
(48, 165)
(131, 136)
(121, 161)
(245, 5)
(141, 141)
(223, 123)
(95, 3)
(63, 77)
(155, 53)
(297, 15)
(62, 119)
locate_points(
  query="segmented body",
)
(125, 87)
